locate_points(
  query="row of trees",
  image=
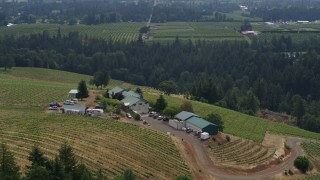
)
(63, 167)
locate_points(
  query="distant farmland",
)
(120, 32)
(210, 31)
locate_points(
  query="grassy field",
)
(211, 31)
(98, 143)
(297, 32)
(313, 151)
(123, 32)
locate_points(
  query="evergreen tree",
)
(81, 173)
(82, 90)
(8, 167)
(252, 102)
(161, 104)
(37, 158)
(38, 173)
(67, 158)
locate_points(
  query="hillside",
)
(98, 143)
(236, 123)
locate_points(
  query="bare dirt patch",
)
(275, 141)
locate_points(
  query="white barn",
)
(73, 93)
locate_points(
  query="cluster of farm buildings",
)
(134, 102)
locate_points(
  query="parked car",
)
(155, 116)
(68, 102)
(115, 116)
(128, 115)
(151, 113)
(75, 100)
(53, 108)
(55, 104)
(165, 118)
(160, 117)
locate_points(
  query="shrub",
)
(228, 138)
(303, 164)
(98, 98)
(287, 146)
(136, 116)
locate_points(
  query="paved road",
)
(205, 164)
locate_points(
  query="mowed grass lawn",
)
(210, 31)
(98, 143)
(123, 32)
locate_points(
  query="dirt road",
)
(202, 166)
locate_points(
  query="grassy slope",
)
(236, 123)
(98, 143)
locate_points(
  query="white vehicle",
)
(75, 101)
(68, 102)
(204, 136)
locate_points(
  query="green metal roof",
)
(129, 100)
(199, 122)
(131, 93)
(116, 90)
(72, 107)
(184, 115)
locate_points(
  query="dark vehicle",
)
(165, 118)
(115, 116)
(53, 108)
(55, 104)
(155, 116)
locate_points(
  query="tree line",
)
(63, 167)
(280, 74)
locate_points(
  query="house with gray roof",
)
(136, 104)
(131, 93)
(115, 90)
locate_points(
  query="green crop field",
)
(122, 32)
(313, 150)
(98, 143)
(312, 177)
(297, 32)
(210, 31)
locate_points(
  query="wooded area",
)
(280, 75)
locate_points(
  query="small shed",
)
(71, 109)
(73, 93)
(200, 125)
